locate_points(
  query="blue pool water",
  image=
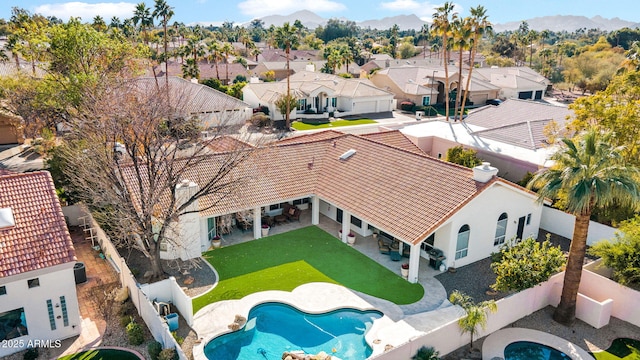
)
(273, 328)
(525, 350)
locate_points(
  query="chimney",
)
(254, 80)
(310, 67)
(184, 191)
(484, 172)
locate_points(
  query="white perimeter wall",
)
(562, 223)
(55, 281)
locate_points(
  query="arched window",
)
(462, 245)
(501, 229)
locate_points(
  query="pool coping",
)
(212, 320)
(494, 345)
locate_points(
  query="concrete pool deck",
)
(494, 345)
(213, 320)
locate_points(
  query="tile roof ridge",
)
(424, 155)
(291, 140)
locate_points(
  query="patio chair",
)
(242, 223)
(382, 247)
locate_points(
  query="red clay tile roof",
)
(394, 138)
(311, 137)
(40, 238)
(402, 191)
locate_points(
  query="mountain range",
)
(405, 22)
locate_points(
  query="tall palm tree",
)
(475, 313)
(441, 26)
(462, 35)
(479, 25)
(164, 12)
(591, 173)
(286, 36)
(215, 51)
(227, 49)
(142, 16)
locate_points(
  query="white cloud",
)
(87, 11)
(259, 8)
(424, 10)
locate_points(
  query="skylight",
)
(347, 154)
(6, 218)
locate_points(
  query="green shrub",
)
(125, 320)
(426, 353)
(154, 348)
(168, 354)
(179, 339)
(31, 354)
(135, 334)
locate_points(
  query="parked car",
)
(494, 102)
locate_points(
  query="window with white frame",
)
(528, 219)
(462, 245)
(334, 102)
(501, 229)
(426, 100)
(302, 104)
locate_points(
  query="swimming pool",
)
(273, 328)
(526, 350)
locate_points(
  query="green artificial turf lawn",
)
(102, 354)
(626, 349)
(285, 261)
(298, 125)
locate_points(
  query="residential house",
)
(211, 106)
(279, 68)
(425, 85)
(517, 82)
(320, 96)
(224, 72)
(365, 184)
(38, 301)
(511, 136)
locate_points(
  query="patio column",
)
(414, 263)
(315, 210)
(346, 225)
(257, 226)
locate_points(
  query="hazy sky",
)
(216, 11)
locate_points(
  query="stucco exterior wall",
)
(481, 214)
(55, 282)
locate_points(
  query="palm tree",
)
(227, 49)
(142, 16)
(441, 26)
(476, 313)
(286, 36)
(532, 36)
(479, 25)
(215, 51)
(163, 11)
(591, 174)
(462, 35)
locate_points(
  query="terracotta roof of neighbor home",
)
(226, 144)
(310, 137)
(287, 171)
(39, 238)
(207, 70)
(394, 138)
(195, 98)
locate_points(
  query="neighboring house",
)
(511, 136)
(279, 68)
(38, 301)
(425, 85)
(422, 202)
(211, 106)
(519, 82)
(10, 128)
(278, 55)
(208, 70)
(320, 96)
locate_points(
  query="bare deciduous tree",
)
(129, 150)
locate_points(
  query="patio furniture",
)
(395, 256)
(382, 247)
(291, 212)
(242, 223)
(267, 220)
(279, 219)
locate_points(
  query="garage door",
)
(8, 135)
(364, 107)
